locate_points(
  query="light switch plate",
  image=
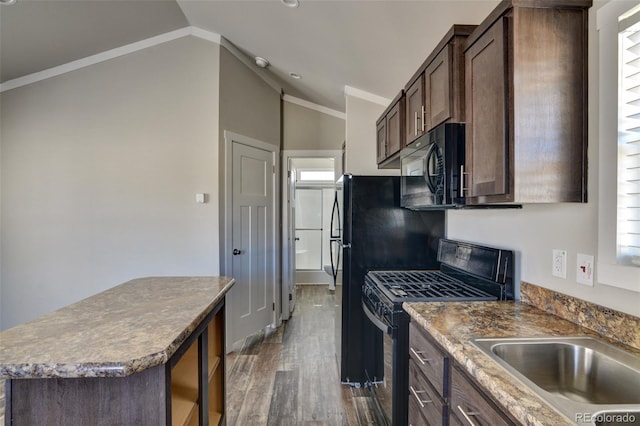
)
(584, 271)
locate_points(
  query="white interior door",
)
(251, 300)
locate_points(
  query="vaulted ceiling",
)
(371, 45)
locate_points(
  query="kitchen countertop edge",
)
(118, 368)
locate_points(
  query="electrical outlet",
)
(559, 263)
(584, 271)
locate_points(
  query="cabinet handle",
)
(468, 416)
(418, 354)
(415, 123)
(420, 401)
(423, 117)
(462, 187)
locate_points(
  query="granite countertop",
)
(454, 324)
(124, 330)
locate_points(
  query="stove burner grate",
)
(428, 285)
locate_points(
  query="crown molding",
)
(315, 107)
(109, 54)
(358, 93)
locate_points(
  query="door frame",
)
(227, 256)
(287, 247)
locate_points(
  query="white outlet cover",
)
(584, 269)
(201, 198)
(559, 263)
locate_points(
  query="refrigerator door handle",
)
(335, 215)
(335, 266)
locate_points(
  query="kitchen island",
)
(451, 326)
(147, 352)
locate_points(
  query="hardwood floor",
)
(290, 376)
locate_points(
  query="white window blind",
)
(628, 238)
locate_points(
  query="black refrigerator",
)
(375, 234)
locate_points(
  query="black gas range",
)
(468, 272)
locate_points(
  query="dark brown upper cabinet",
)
(526, 104)
(415, 110)
(381, 137)
(435, 93)
(390, 133)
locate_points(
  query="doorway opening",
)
(314, 196)
(309, 187)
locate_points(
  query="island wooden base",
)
(188, 390)
(138, 399)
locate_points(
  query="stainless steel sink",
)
(579, 376)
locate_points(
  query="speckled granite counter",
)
(454, 324)
(124, 330)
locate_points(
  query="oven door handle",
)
(375, 320)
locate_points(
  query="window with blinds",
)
(628, 239)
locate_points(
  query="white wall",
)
(537, 229)
(361, 155)
(99, 171)
(248, 105)
(308, 129)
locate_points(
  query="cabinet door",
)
(486, 115)
(394, 130)
(424, 402)
(415, 110)
(381, 137)
(470, 405)
(437, 85)
(428, 359)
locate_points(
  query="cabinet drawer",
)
(469, 404)
(429, 359)
(415, 417)
(423, 398)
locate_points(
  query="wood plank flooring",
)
(289, 376)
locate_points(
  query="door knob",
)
(236, 252)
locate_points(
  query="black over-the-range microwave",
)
(431, 168)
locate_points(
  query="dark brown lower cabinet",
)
(471, 406)
(425, 404)
(428, 380)
(440, 393)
